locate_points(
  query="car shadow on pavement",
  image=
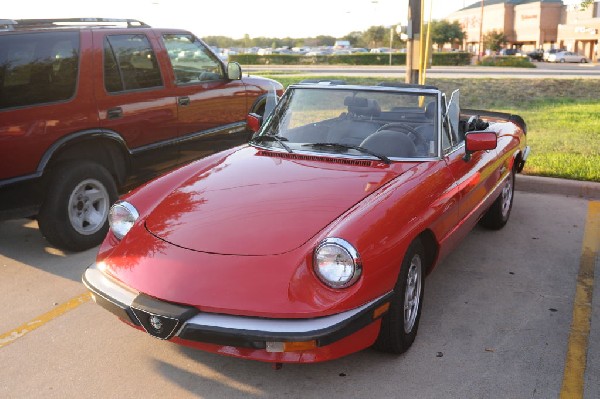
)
(22, 245)
(211, 375)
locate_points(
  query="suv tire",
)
(74, 215)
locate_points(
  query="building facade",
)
(579, 30)
(532, 24)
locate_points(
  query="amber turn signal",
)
(377, 313)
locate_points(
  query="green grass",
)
(562, 115)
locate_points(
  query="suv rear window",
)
(38, 68)
(129, 63)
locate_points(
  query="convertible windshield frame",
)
(367, 106)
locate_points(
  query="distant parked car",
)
(508, 51)
(380, 50)
(566, 56)
(552, 51)
(359, 50)
(536, 55)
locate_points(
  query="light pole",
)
(480, 49)
(413, 41)
(391, 41)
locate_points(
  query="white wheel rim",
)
(88, 207)
(412, 295)
(507, 193)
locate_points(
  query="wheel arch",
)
(431, 246)
(105, 147)
(258, 104)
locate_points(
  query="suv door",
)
(134, 101)
(211, 108)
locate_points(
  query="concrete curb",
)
(551, 185)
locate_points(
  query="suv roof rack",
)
(73, 22)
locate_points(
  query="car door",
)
(133, 100)
(476, 175)
(211, 108)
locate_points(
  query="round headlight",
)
(121, 218)
(337, 263)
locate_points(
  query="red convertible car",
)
(312, 241)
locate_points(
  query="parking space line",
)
(575, 363)
(13, 335)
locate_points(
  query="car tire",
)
(583, 61)
(74, 214)
(496, 217)
(400, 324)
(562, 60)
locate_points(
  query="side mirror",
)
(479, 141)
(253, 121)
(234, 71)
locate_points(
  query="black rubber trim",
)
(115, 307)
(154, 306)
(252, 338)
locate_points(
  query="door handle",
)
(114, 113)
(183, 101)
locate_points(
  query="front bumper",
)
(166, 320)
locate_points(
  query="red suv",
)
(92, 107)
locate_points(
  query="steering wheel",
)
(410, 131)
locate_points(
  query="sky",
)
(235, 18)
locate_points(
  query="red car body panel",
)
(210, 202)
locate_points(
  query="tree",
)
(494, 40)
(443, 32)
(354, 38)
(375, 36)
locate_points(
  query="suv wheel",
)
(74, 215)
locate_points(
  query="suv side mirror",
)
(234, 71)
(479, 141)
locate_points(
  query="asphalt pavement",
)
(497, 323)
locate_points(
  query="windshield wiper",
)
(340, 146)
(278, 139)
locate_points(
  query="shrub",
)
(507, 61)
(455, 58)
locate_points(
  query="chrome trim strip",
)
(106, 287)
(274, 326)
(408, 90)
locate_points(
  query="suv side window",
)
(38, 68)
(192, 62)
(130, 63)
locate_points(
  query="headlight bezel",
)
(131, 214)
(346, 248)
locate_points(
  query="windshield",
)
(358, 122)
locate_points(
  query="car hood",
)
(258, 202)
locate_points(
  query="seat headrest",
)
(362, 106)
(430, 110)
